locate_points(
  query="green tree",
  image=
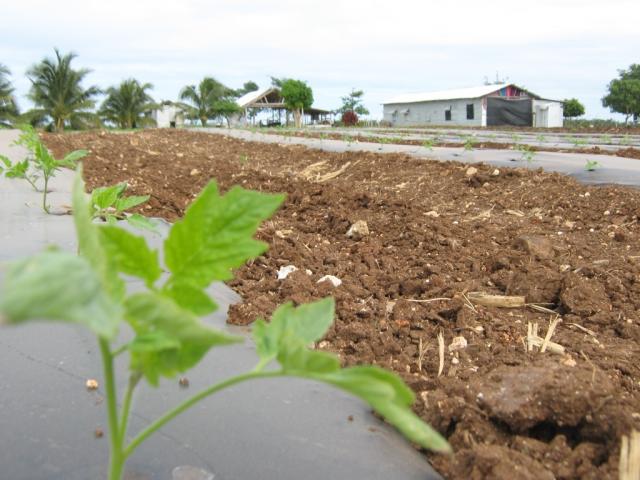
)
(298, 96)
(572, 108)
(226, 108)
(624, 93)
(8, 104)
(128, 104)
(202, 99)
(57, 92)
(247, 87)
(353, 103)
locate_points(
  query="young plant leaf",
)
(60, 286)
(192, 298)
(215, 234)
(131, 254)
(140, 221)
(125, 203)
(169, 339)
(105, 197)
(70, 159)
(89, 245)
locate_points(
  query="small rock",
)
(495, 173)
(183, 382)
(187, 472)
(569, 224)
(285, 271)
(98, 432)
(91, 384)
(471, 171)
(536, 245)
(194, 172)
(358, 230)
(433, 214)
(335, 281)
(458, 343)
(568, 361)
(565, 268)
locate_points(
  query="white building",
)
(168, 115)
(488, 105)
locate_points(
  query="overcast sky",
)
(555, 48)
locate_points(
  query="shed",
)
(487, 105)
(168, 115)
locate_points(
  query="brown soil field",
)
(437, 232)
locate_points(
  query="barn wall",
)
(548, 114)
(425, 113)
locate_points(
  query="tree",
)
(8, 104)
(624, 93)
(247, 87)
(353, 103)
(226, 108)
(57, 92)
(127, 104)
(298, 96)
(203, 98)
(572, 108)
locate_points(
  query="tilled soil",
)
(436, 231)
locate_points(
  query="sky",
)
(555, 48)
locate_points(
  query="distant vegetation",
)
(573, 108)
(624, 93)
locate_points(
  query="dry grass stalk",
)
(501, 301)
(422, 350)
(427, 300)
(547, 338)
(533, 340)
(468, 303)
(629, 467)
(539, 308)
(440, 352)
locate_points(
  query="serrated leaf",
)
(5, 160)
(215, 234)
(192, 298)
(60, 286)
(70, 159)
(140, 221)
(390, 397)
(89, 245)
(153, 316)
(306, 324)
(131, 254)
(105, 197)
(125, 203)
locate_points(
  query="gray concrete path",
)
(612, 169)
(266, 430)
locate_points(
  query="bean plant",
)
(469, 143)
(169, 337)
(528, 154)
(592, 165)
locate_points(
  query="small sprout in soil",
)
(606, 139)
(626, 140)
(578, 142)
(110, 205)
(516, 138)
(469, 143)
(428, 144)
(541, 138)
(215, 236)
(527, 153)
(592, 165)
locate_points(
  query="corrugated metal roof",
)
(249, 98)
(473, 92)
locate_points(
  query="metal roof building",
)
(486, 105)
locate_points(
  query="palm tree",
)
(57, 91)
(127, 104)
(202, 100)
(8, 105)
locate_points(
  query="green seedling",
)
(626, 140)
(592, 165)
(215, 236)
(18, 170)
(516, 138)
(429, 143)
(348, 139)
(527, 153)
(578, 142)
(110, 205)
(244, 158)
(541, 138)
(606, 139)
(469, 143)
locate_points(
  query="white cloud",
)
(560, 48)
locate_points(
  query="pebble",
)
(471, 171)
(91, 384)
(458, 343)
(335, 281)
(285, 271)
(358, 230)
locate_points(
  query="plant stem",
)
(44, 194)
(126, 407)
(116, 460)
(171, 414)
